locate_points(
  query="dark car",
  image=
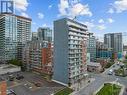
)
(19, 77)
(37, 84)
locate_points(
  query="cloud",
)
(40, 15)
(110, 20)
(90, 25)
(120, 6)
(34, 23)
(101, 21)
(21, 5)
(63, 7)
(80, 9)
(24, 14)
(111, 11)
(73, 8)
(44, 25)
(74, 1)
(101, 27)
(50, 6)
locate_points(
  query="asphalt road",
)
(100, 79)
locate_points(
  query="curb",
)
(74, 93)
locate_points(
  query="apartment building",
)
(40, 57)
(114, 41)
(70, 52)
(37, 56)
(91, 47)
(44, 33)
(15, 31)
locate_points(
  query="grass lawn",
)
(65, 91)
(109, 89)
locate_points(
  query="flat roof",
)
(22, 17)
(93, 64)
(68, 19)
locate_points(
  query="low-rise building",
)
(94, 67)
(5, 68)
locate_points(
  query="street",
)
(100, 79)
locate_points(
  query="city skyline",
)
(63, 47)
(106, 18)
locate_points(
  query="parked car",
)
(18, 77)
(37, 84)
(110, 72)
(11, 77)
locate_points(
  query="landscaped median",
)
(109, 89)
(65, 91)
(120, 72)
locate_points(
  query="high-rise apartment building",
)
(91, 47)
(70, 52)
(44, 33)
(114, 41)
(34, 36)
(15, 31)
(37, 56)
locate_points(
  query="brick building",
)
(38, 57)
(3, 87)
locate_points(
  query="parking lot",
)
(30, 84)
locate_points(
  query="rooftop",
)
(22, 17)
(93, 64)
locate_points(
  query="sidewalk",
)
(85, 85)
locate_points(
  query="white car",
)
(110, 72)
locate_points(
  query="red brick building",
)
(47, 59)
(3, 88)
(39, 57)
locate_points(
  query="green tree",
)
(15, 62)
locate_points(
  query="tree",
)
(15, 62)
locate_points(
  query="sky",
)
(101, 16)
